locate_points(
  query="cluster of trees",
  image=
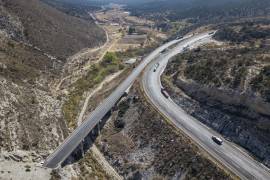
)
(225, 68)
(215, 11)
(211, 67)
(198, 13)
(207, 10)
(131, 30)
(246, 33)
(261, 83)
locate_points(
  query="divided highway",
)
(69, 145)
(228, 153)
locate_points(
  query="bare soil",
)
(139, 143)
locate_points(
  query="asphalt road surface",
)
(229, 154)
(68, 146)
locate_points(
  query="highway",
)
(228, 154)
(69, 144)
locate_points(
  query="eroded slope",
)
(53, 31)
(228, 86)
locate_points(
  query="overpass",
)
(74, 139)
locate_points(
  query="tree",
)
(131, 30)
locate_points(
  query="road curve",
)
(69, 144)
(229, 154)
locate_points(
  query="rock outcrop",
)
(239, 117)
(226, 88)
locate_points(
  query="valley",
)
(62, 62)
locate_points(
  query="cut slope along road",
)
(228, 154)
(69, 144)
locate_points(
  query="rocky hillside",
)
(31, 122)
(27, 109)
(35, 40)
(53, 31)
(140, 144)
(229, 86)
(28, 38)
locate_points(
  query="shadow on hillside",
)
(86, 144)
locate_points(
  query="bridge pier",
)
(98, 128)
(81, 147)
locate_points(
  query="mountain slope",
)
(53, 31)
(228, 86)
(78, 8)
(31, 119)
(204, 10)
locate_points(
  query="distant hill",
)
(78, 8)
(127, 2)
(53, 31)
(204, 9)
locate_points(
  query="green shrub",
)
(261, 83)
(98, 72)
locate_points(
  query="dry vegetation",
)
(21, 63)
(139, 143)
(229, 85)
(97, 73)
(53, 31)
(91, 169)
(25, 97)
(32, 123)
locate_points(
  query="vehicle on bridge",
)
(179, 37)
(186, 48)
(217, 140)
(164, 51)
(165, 93)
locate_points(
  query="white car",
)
(217, 140)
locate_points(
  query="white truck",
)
(165, 93)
